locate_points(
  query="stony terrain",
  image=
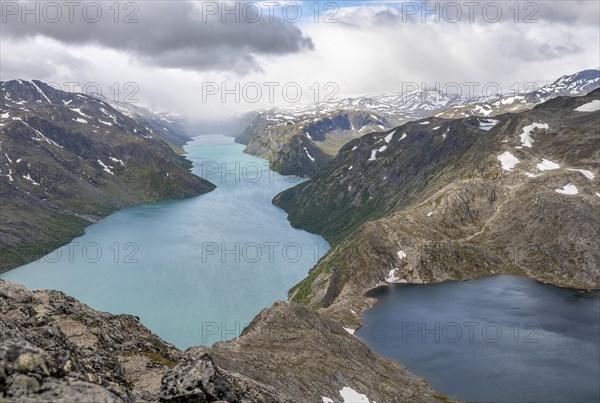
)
(53, 348)
(521, 198)
(72, 159)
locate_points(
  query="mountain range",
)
(301, 140)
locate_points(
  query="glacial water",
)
(501, 338)
(195, 271)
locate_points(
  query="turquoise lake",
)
(195, 271)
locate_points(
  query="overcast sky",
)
(181, 55)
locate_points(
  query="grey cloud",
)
(33, 61)
(580, 12)
(387, 17)
(174, 34)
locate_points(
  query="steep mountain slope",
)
(53, 348)
(171, 127)
(520, 198)
(364, 180)
(300, 142)
(68, 160)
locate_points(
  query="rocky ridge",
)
(53, 348)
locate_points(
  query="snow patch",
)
(547, 165)
(508, 161)
(80, 120)
(106, 167)
(424, 123)
(30, 179)
(113, 159)
(593, 106)
(430, 214)
(327, 400)
(392, 278)
(526, 139)
(482, 109)
(41, 92)
(373, 155)
(382, 149)
(308, 154)
(351, 396)
(569, 189)
(403, 136)
(349, 330)
(401, 254)
(588, 174)
(388, 138)
(78, 110)
(488, 124)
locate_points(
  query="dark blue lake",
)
(499, 338)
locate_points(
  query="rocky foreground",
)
(54, 348)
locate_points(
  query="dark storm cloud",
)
(169, 34)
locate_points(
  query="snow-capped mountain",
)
(402, 106)
(571, 85)
(576, 84)
(170, 126)
(309, 136)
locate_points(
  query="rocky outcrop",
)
(55, 349)
(307, 356)
(198, 380)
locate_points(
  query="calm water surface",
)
(498, 338)
(195, 271)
